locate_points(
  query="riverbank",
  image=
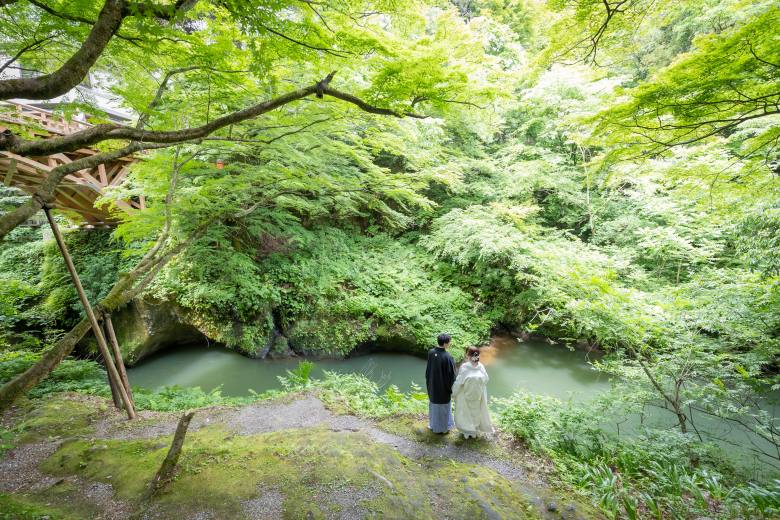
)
(74, 456)
(620, 475)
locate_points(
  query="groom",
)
(439, 376)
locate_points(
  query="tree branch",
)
(304, 44)
(28, 47)
(73, 71)
(164, 12)
(104, 132)
(59, 14)
(76, 68)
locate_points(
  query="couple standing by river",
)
(467, 387)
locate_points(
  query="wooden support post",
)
(115, 393)
(120, 363)
(101, 340)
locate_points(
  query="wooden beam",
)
(90, 179)
(111, 170)
(30, 162)
(120, 176)
(101, 340)
(120, 363)
(62, 157)
(101, 168)
(85, 195)
(80, 206)
(76, 180)
(9, 174)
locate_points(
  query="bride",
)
(470, 395)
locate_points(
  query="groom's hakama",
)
(440, 418)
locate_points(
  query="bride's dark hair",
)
(471, 351)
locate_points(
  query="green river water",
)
(533, 366)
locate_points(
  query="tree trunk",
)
(165, 473)
(114, 392)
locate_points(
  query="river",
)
(538, 367)
(533, 366)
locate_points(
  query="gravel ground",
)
(19, 468)
(19, 473)
(266, 506)
(347, 501)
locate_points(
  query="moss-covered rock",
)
(143, 327)
(329, 335)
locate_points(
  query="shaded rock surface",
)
(143, 328)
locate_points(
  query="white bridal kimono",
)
(470, 395)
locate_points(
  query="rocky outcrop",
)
(145, 327)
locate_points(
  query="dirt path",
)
(19, 468)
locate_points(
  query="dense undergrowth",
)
(587, 194)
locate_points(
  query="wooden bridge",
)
(78, 192)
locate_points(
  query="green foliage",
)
(70, 375)
(331, 290)
(357, 394)
(346, 290)
(175, 398)
(757, 239)
(627, 201)
(299, 377)
(98, 262)
(677, 103)
(556, 284)
(641, 475)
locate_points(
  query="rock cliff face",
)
(146, 327)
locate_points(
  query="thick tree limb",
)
(349, 98)
(104, 132)
(76, 68)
